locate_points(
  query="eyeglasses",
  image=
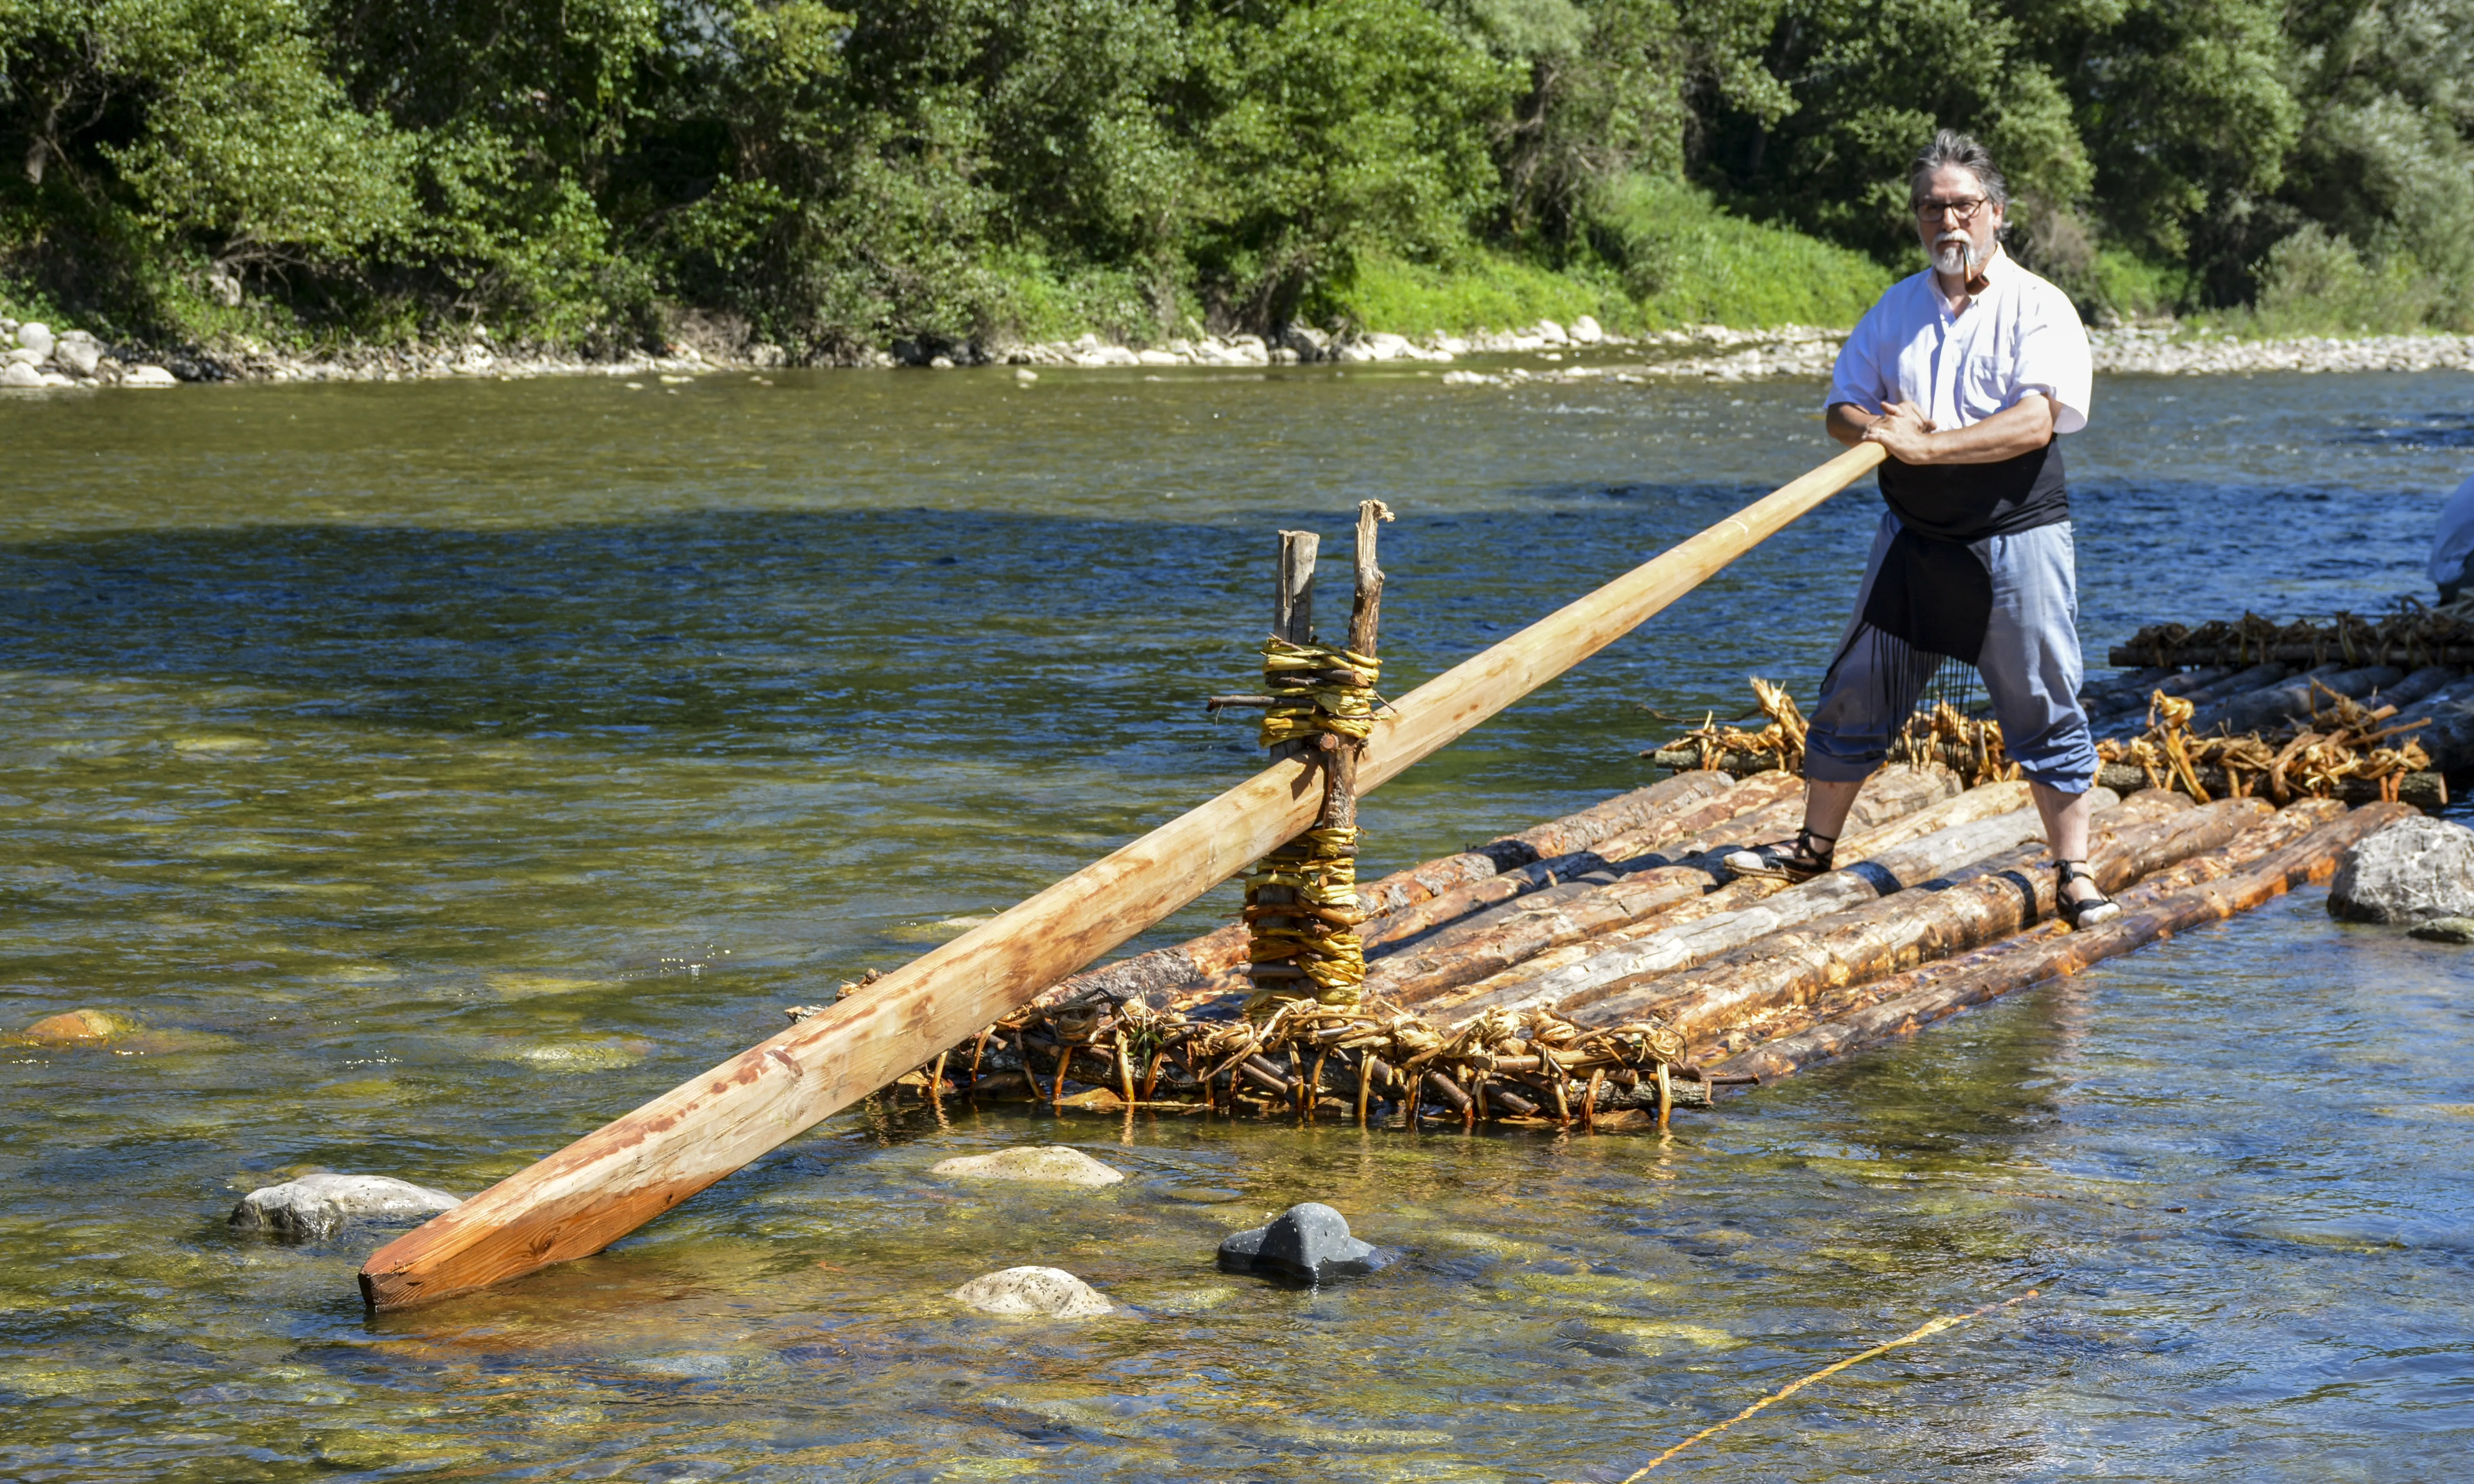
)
(1965, 210)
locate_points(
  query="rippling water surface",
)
(438, 771)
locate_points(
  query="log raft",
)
(1594, 972)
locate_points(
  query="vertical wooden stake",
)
(1365, 1082)
(1365, 629)
(1293, 620)
(1665, 1097)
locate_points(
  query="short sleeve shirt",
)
(2020, 335)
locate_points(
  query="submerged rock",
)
(2446, 930)
(1039, 1163)
(1309, 1242)
(1050, 1292)
(2412, 871)
(149, 376)
(319, 1206)
(72, 1026)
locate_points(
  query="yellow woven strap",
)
(1306, 697)
(1320, 940)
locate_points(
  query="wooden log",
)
(1696, 808)
(2281, 703)
(1158, 976)
(2427, 791)
(1698, 886)
(2454, 652)
(2130, 714)
(2428, 681)
(1726, 760)
(2277, 832)
(1550, 978)
(1489, 942)
(1577, 991)
(1649, 817)
(2273, 695)
(1929, 995)
(1991, 899)
(582, 1198)
(2120, 690)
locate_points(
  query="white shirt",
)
(2020, 335)
(2455, 541)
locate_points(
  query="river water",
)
(437, 771)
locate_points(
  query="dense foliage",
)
(583, 170)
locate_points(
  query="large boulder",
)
(1052, 1164)
(17, 374)
(36, 336)
(2412, 871)
(1307, 1243)
(319, 1206)
(1047, 1292)
(78, 353)
(149, 376)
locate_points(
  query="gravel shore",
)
(1552, 352)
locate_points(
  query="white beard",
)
(1958, 254)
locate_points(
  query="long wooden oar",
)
(604, 1185)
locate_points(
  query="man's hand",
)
(1852, 424)
(1904, 432)
(1911, 436)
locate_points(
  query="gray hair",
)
(1949, 147)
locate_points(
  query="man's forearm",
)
(1847, 422)
(2014, 430)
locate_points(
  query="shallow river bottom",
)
(439, 770)
(2245, 1262)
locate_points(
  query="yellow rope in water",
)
(1923, 1331)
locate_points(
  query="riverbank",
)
(45, 359)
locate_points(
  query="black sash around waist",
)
(1967, 502)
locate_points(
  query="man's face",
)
(1956, 222)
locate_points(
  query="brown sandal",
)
(1795, 864)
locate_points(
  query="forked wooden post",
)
(1364, 632)
(593, 1192)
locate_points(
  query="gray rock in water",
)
(17, 374)
(1050, 1292)
(1308, 1242)
(319, 1206)
(2445, 930)
(2412, 871)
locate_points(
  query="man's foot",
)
(1794, 863)
(2082, 902)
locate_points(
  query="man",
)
(1964, 374)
